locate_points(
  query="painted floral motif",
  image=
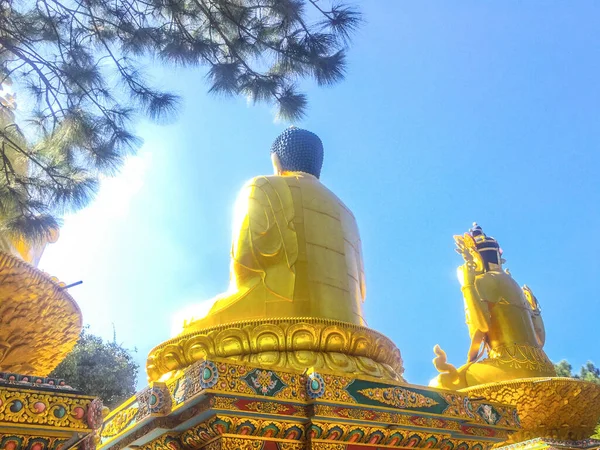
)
(398, 397)
(264, 382)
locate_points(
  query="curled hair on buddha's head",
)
(299, 150)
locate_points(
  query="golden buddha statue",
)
(297, 282)
(503, 320)
(296, 249)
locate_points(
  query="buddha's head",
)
(297, 150)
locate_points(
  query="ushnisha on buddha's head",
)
(297, 150)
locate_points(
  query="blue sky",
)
(452, 112)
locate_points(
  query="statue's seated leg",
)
(482, 372)
(246, 303)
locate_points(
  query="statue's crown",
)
(482, 241)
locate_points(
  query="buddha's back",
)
(329, 269)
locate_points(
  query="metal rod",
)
(77, 283)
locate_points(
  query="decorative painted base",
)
(222, 404)
(554, 408)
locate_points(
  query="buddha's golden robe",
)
(296, 253)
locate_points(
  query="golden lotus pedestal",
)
(553, 412)
(327, 346)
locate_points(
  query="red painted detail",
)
(355, 437)
(270, 445)
(418, 420)
(374, 439)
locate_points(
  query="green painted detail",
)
(16, 406)
(358, 388)
(264, 382)
(60, 412)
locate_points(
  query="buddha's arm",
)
(536, 315)
(265, 246)
(538, 326)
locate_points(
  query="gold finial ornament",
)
(297, 279)
(504, 321)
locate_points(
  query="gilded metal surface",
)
(557, 408)
(296, 253)
(234, 443)
(503, 320)
(294, 343)
(327, 446)
(40, 322)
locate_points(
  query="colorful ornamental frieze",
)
(221, 404)
(47, 417)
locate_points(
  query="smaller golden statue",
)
(503, 319)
